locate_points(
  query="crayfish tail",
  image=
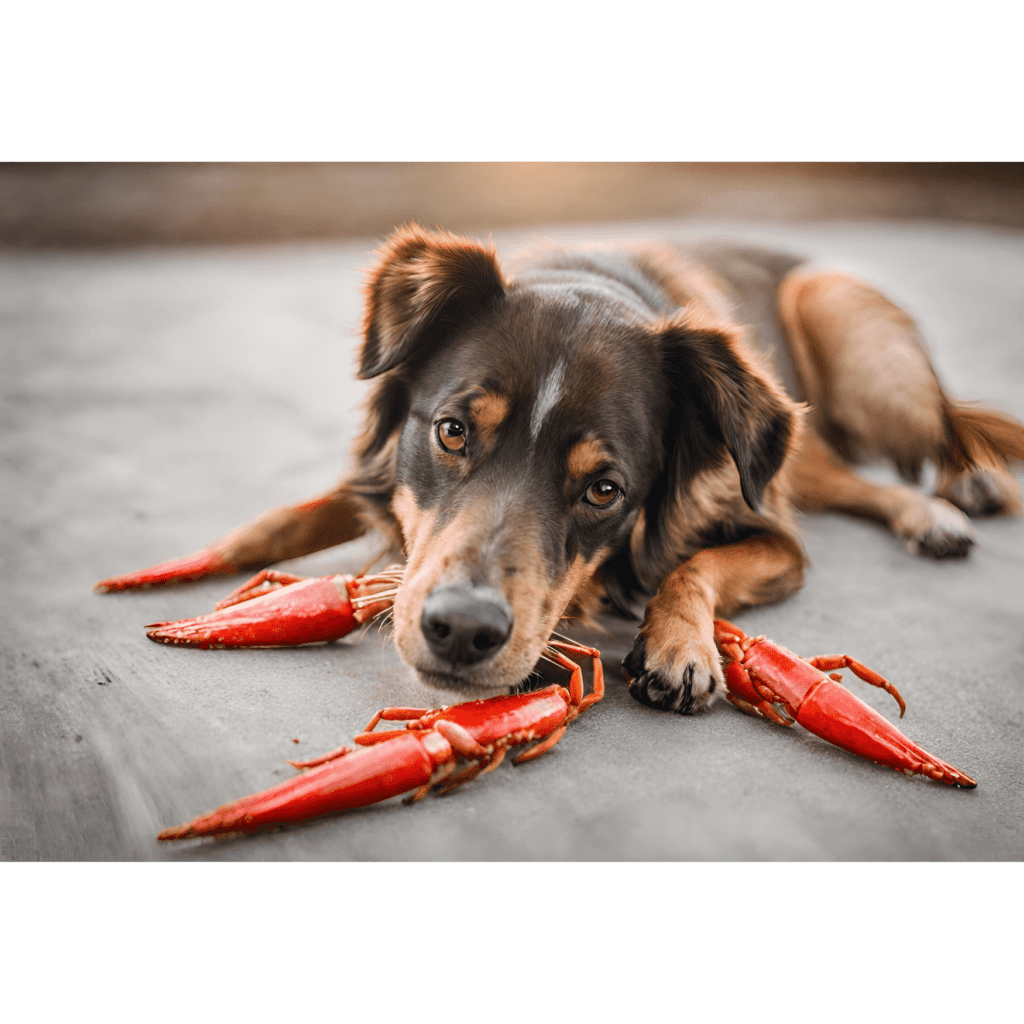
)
(838, 716)
(941, 772)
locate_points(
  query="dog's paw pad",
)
(937, 530)
(680, 685)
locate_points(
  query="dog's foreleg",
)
(294, 530)
(674, 664)
(281, 533)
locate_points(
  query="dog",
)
(602, 426)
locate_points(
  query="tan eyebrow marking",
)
(488, 411)
(586, 457)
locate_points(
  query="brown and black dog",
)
(601, 426)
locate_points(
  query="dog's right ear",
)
(423, 278)
(721, 395)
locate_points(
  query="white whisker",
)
(565, 639)
(384, 595)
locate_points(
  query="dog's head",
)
(521, 432)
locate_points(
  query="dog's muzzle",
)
(464, 625)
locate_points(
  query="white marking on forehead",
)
(547, 398)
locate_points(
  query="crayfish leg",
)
(314, 762)
(442, 772)
(396, 715)
(373, 739)
(540, 748)
(262, 583)
(764, 710)
(482, 767)
(828, 662)
(575, 686)
(418, 795)
(576, 698)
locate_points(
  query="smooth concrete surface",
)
(151, 401)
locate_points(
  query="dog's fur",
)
(664, 374)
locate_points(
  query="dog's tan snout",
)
(465, 624)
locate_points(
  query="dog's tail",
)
(976, 436)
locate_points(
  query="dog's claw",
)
(653, 689)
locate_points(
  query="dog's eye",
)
(451, 435)
(602, 494)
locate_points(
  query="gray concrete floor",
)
(152, 400)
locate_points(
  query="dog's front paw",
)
(683, 674)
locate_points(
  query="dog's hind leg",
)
(674, 664)
(987, 439)
(864, 370)
(821, 482)
(873, 392)
(285, 532)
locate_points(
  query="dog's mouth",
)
(486, 678)
(455, 681)
(540, 671)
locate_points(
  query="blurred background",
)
(98, 205)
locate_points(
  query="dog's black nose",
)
(465, 624)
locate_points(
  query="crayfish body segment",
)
(760, 674)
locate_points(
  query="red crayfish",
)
(277, 609)
(759, 674)
(419, 757)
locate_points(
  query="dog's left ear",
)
(717, 390)
(424, 279)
